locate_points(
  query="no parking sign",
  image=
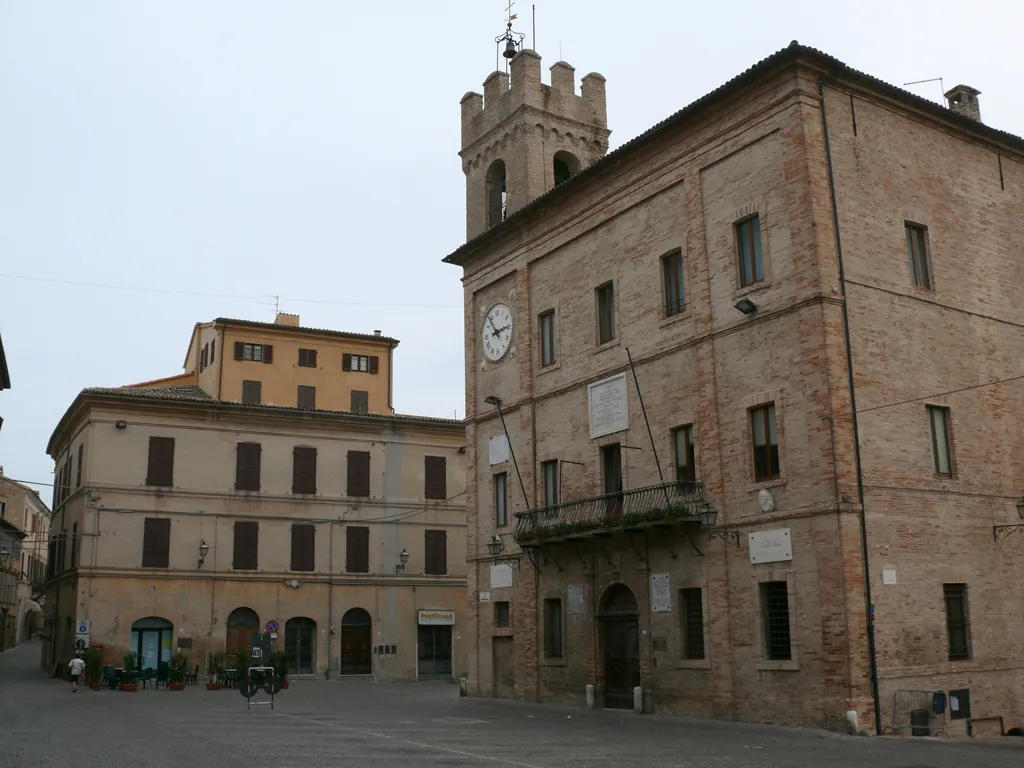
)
(271, 626)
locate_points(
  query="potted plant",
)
(130, 673)
(279, 661)
(93, 659)
(179, 662)
(213, 671)
(242, 663)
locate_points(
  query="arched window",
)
(565, 166)
(497, 193)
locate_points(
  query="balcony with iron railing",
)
(664, 506)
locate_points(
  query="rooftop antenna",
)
(276, 303)
(513, 40)
(932, 80)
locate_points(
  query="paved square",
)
(319, 723)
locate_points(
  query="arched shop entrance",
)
(151, 640)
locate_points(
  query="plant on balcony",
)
(214, 668)
(179, 664)
(130, 673)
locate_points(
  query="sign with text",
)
(576, 604)
(770, 546)
(661, 593)
(609, 407)
(485, 597)
(501, 576)
(435, 618)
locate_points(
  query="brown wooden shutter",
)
(239, 350)
(435, 484)
(374, 364)
(161, 462)
(81, 455)
(357, 549)
(436, 554)
(346, 362)
(268, 353)
(358, 473)
(247, 541)
(303, 547)
(303, 469)
(307, 398)
(247, 467)
(156, 542)
(213, 350)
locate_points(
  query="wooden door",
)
(621, 661)
(503, 671)
(355, 650)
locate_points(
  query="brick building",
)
(814, 275)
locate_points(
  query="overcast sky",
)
(307, 149)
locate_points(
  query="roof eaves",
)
(228, 321)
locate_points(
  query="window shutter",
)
(346, 362)
(239, 350)
(303, 546)
(303, 469)
(268, 353)
(156, 542)
(374, 363)
(247, 467)
(213, 350)
(78, 478)
(357, 549)
(247, 540)
(312, 358)
(161, 462)
(358, 473)
(434, 476)
(436, 552)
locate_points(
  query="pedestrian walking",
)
(77, 666)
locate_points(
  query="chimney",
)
(964, 101)
(376, 333)
(283, 318)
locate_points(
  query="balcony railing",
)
(668, 504)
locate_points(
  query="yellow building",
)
(189, 521)
(24, 523)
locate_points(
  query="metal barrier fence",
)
(918, 713)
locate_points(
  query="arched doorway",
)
(620, 634)
(243, 623)
(355, 642)
(151, 640)
(300, 645)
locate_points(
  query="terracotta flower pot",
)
(213, 686)
(94, 685)
(176, 686)
(129, 687)
(284, 684)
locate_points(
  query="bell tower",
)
(521, 137)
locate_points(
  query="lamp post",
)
(496, 402)
(204, 549)
(404, 557)
(708, 518)
(1002, 531)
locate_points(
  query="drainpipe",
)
(872, 654)
(391, 351)
(330, 590)
(223, 351)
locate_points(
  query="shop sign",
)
(436, 618)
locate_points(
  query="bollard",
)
(463, 686)
(638, 700)
(590, 697)
(851, 721)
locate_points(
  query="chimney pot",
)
(963, 99)
(376, 333)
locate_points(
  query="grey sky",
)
(307, 148)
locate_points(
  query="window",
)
(611, 468)
(156, 542)
(497, 193)
(213, 350)
(918, 252)
(247, 467)
(307, 398)
(252, 392)
(691, 610)
(357, 549)
(257, 353)
(203, 357)
(748, 245)
(360, 363)
(360, 402)
(606, 313)
(307, 358)
(775, 609)
(501, 614)
(938, 429)
(682, 439)
(81, 456)
(548, 350)
(303, 469)
(552, 628)
(766, 442)
(74, 545)
(436, 553)
(161, 462)
(435, 472)
(247, 541)
(303, 547)
(552, 491)
(359, 473)
(672, 273)
(501, 499)
(957, 622)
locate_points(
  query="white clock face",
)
(497, 332)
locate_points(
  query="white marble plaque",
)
(888, 576)
(770, 546)
(576, 604)
(501, 576)
(485, 597)
(661, 593)
(499, 450)
(609, 406)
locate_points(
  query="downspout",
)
(220, 366)
(391, 377)
(330, 590)
(872, 655)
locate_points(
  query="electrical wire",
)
(941, 394)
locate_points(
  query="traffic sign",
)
(83, 628)
(81, 642)
(271, 626)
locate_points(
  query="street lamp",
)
(204, 549)
(496, 546)
(708, 518)
(1002, 531)
(404, 557)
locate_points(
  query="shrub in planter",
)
(279, 661)
(242, 663)
(93, 659)
(179, 663)
(214, 668)
(130, 673)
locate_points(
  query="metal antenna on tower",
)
(276, 303)
(938, 80)
(513, 40)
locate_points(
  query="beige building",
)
(759, 373)
(24, 523)
(187, 521)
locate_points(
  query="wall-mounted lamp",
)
(404, 557)
(708, 518)
(496, 546)
(1002, 531)
(121, 424)
(746, 306)
(204, 549)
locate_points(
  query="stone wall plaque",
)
(609, 406)
(659, 643)
(498, 449)
(501, 576)
(576, 604)
(770, 546)
(661, 593)
(485, 597)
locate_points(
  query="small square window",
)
(748, 246)
(917, 250)
(501, 614)
(252, 392)
(938, 430)
(307, 358)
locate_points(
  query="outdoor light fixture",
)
(708, 518)
(496, 546)
(404, 557)
(121, 424)
(204, 548)
(746, 306)
(1002, 531)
